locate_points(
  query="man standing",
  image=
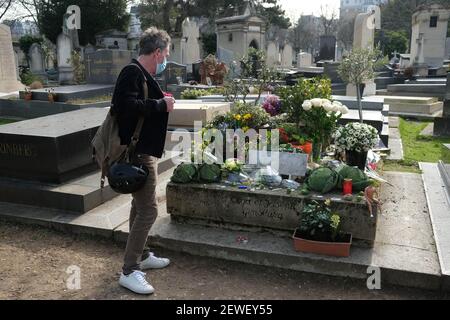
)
(129, 104)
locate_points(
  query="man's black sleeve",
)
(129, 85)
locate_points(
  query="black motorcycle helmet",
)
(125, 178)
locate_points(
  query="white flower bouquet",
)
(355, 136)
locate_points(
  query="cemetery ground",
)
(34, 261)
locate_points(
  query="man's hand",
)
(170, 102)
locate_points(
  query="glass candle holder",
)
(348, 187)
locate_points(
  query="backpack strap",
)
(137, 132)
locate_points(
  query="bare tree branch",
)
(5, 5)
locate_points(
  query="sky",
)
(295, 8)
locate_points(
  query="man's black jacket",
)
(129, 104)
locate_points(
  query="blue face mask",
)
(161, 66)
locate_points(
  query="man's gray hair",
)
(153, 39)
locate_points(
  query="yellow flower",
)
(245, 129)
(248, 116)
(238, 117)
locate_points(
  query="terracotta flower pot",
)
(307, 148)
(335, 249)
(28, 96)
(51, 98)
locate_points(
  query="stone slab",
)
(36, 109)
(416, 108)
(368, 103)
(261, 209)
(104, 66)
(185, 114)
(421, 90)
(374, 118)
(52, 149)
(442, 126)
(439, 205)
(78, 196)
(66, 93)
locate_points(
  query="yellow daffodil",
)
(238, 117)
(248, 116)
(245, 129)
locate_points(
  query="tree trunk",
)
(358, 96)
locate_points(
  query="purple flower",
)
(272, 105)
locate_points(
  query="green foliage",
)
(318, 223)
(359, 65)
(192, 94)
(78, 67)
(170, 14)
(27, 41)
(254, 73)
(27, 78)
(305, 89)
(243, 115)
(210, 173)
(360, 180)
(323, 180)
(184, 173)
(96, 16)
(393, 41)
(209, 43)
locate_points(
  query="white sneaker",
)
(136, 282)
(153, 262)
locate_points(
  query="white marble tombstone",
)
(64, 49)
(304, 59)
(364, 37)
(190, 46)
(287, 56)
(37, 63)
(8, 71)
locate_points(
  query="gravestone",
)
(442, 124)
(64, 49)
(327, 48)
(8, 70)
(363, 38)
(273, 54)
(196, 76)
(287, 56)
(104, 66)
(89, 49)
(190, 46)
(37, 61)
(304, 59)
(171, 74)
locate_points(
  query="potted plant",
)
(320, 118)
(51, 95)
(357, 68)
(356, 139)
(28, 94)
(319, 232)
(232, 169)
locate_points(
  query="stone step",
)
(428, 109)
(436, 189)
(408, 99)
(77, 196)
(373, 103)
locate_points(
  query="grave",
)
(173, 73)
(66, 93)
(185, 114)
(104, 66)
(421, 107)
(37, 61)
(260, 210)
(64, 50)
(417, 90)
(304, 59)
(442, 123)
(8, 71)
(327, 47)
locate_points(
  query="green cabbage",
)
(360, 180)
(323, 180)
(184, 173)
(210, 173)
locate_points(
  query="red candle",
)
(348, 186)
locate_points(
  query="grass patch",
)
(104, 98)
(418, 148)
(6, 121)
(401, 166)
